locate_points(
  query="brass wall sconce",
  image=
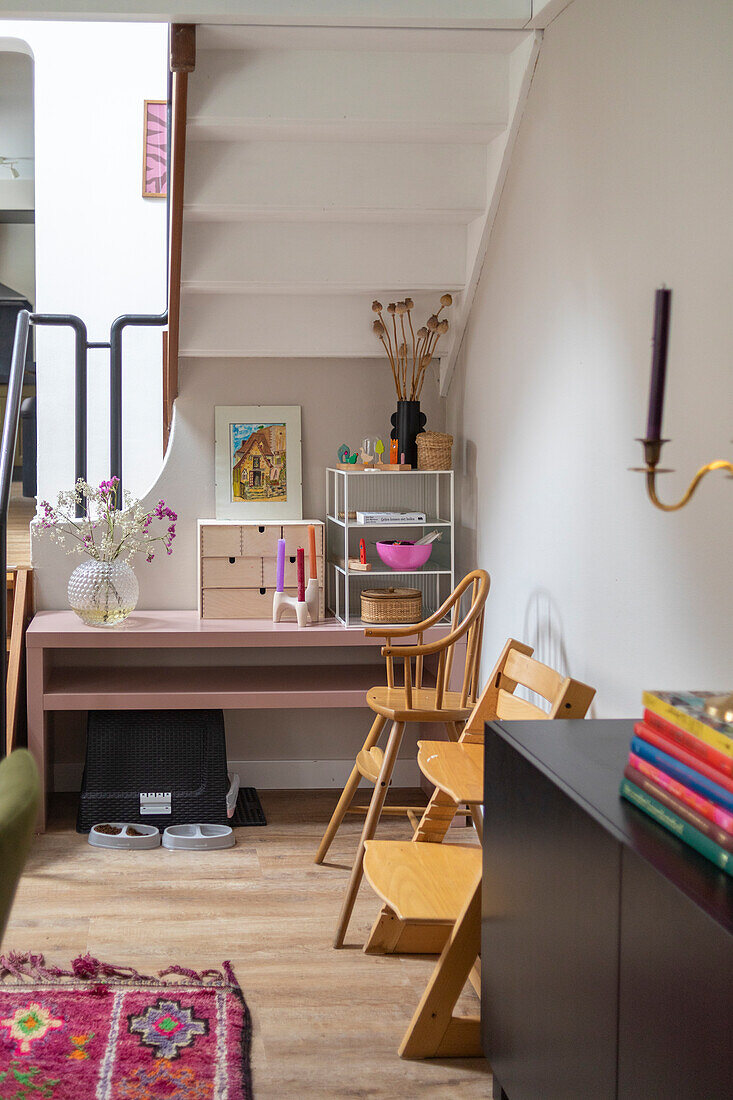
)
(719, 706)
(653, 441)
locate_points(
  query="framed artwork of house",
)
(258, 462)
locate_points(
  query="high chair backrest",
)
(568, 698)
(469, 624)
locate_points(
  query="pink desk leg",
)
(37, 723)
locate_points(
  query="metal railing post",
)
(127, 320)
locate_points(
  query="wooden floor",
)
(20, 513)
(326, 1023)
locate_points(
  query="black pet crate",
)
(156, 767)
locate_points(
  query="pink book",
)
(695, 801)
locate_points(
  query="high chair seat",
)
(392, 703)
(457, 769)
(422, 882)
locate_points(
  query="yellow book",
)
(686, 710)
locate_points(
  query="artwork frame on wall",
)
(258, 462)
(155, 148)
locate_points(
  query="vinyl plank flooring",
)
(326, 1023)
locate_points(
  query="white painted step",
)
(448, 92)
(241, 255)
(296, 325)
(341, 180)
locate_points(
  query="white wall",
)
(16, 111)
(620, 180)
(100, 247)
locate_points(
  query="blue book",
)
(682, 773)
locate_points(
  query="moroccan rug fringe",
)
(27, 967)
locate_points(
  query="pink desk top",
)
(184, 629)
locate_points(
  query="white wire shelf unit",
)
(427, 491)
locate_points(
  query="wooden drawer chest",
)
(237, 565)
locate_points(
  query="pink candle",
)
(280, 580)
(301, 573)
(313, 572)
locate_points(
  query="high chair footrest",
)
(422, 882)
(369, 763)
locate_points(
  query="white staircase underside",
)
(329, 166)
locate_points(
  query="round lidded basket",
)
(391, 605)
(434, 451)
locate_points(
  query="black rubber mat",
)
(248, 810)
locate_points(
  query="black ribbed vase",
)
(407, 423)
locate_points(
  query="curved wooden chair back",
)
(469, 624)
(516, 666)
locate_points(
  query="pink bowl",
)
(403, 558)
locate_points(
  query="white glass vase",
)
(103, 593)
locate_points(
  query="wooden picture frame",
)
(155, 148)
(258, 462)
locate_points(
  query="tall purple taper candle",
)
(280, 582)
(662, 309)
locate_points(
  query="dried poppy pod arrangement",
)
(409, 352)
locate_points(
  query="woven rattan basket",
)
(391, 605)
(434, 451)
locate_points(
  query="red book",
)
(673, 748)
(695, 801)
(702, 824)
(716, 759)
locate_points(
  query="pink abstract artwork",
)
(155, 161)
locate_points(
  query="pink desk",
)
(63, 675)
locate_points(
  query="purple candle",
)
(662, 309)
(280, 583)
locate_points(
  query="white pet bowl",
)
(198, 837)
(149, 836)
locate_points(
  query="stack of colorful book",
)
(680, 772)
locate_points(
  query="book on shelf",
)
(685, 794)
(677, 770)
(390, 517)
(673, 748)
(683, 811)
(702, 749)
(681, 829)
(686, 709)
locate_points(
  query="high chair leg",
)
(370, 827)
(434, 1031)
(347, 795)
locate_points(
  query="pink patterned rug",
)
(99, 1032)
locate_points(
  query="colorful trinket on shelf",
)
(343, 453)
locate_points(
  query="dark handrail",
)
(127, 320)
(81, 346)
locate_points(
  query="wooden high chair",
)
(456, 770)
(411, 702)
(436, 888)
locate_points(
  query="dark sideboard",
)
(606, 946)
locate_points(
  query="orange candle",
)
(312, 551)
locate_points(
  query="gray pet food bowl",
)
(198, 837)
(144, 836)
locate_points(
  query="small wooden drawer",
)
(232, 572)
(245, 603)
(220, 541)
(236, 603)
(260, 541)
(269, 573)
(296, 534)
